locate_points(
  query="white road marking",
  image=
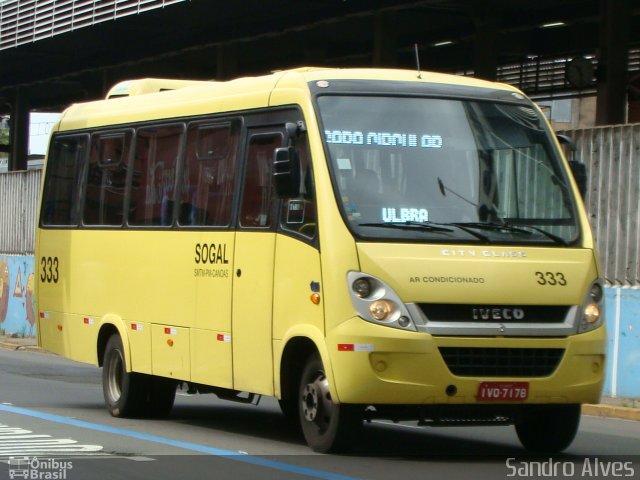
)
(15, 441)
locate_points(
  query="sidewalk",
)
(624, 408)
(19, 343)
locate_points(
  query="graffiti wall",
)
(17, 301)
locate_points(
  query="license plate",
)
(503, 391)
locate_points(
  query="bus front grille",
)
(501, 362)
(494, 313)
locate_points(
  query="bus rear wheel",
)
(123, 391)
(160, 395)
(548, 428)
(327, 426)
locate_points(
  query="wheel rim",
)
(317, 407)
(115, 375)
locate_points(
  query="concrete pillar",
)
(611, 105)
(485, 54)
(19, 131)
(227, 62)
(105, 80)
(385, 41)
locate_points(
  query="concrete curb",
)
(17, 346)
(612, 411)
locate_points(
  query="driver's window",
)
(298, 214)
(258, 191)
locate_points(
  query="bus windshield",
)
(443, 170)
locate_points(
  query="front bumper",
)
(373, 364)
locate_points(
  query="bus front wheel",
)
(327, 426)
(548, 428)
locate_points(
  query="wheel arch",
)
(297, 349)
(112, 325)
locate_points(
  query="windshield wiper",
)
(468, 226)
(409, 225)
(505, 227)
(496, 227)
(552, 236)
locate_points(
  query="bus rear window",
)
(63, 181)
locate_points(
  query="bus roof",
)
(150, 99)
(142, 86)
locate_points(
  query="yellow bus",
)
(357, 243)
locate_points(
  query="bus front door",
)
(253, 268)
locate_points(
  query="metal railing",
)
(612, 157)
(18, 207)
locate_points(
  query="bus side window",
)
(209, 173)
(106, 179)
(63, 180)
(298, 214)
(154, 174)
(258, 191)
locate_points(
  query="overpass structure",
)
(55, 52)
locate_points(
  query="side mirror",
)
(286, 172)
(569, 147)
(566, 140)
(579, 171)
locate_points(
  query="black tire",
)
(289, 408)
(327, 426)
(124, 392)
(129, 394)
(548, 429)
(159, 397)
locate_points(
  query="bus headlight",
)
(376, 302)
(596, 293)
(381, 310)
(362, 287)
(592, 313)
(593, 308)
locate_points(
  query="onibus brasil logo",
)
(34, 468)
